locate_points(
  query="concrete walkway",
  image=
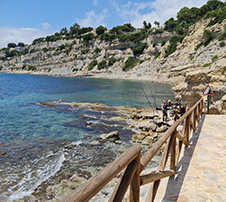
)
(201, 172)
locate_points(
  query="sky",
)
(26, 20)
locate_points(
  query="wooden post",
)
(179, 146)
(198, 112)
(161, 167)
(194, 120)
(173, 153)
(135, 183)
(118, 194)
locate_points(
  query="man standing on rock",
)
(164, 111)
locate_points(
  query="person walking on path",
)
(164, 111)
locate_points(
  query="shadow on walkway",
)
(175, 183)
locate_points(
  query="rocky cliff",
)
(190, 68)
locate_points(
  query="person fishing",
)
(164, 111)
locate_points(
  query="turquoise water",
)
(32, 135)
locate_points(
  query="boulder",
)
(94, 143)
(110, 136)
(163, 128)
(148, 140)
(138, 137)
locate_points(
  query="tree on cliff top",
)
(100, 30)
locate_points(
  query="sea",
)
(41, 145)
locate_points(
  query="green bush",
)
(130, 62)
(222, 44)
(102, 65)
(157, 31)
(61, 47)
(88, 37)
(154, 44)
(75, 70)
(198, 46)
(163, 42)
(207, 64)
(124, 37)
(31, 68)
(100, 30)
(157, 55)
(111, 61)
(215, 57)
(139, 49)
(97, 50)
(92, 65)
(108, 37)
(23, 67)
(222, 36)
(20, 44)
(39, 40)
(11, 45)
(85, 51)
(45, 49)
(173, 44)
(1, 67)
(136, 37)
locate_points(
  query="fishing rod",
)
(150, 104)
(153, 97)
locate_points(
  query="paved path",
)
(201, 173)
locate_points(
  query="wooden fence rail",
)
(133, 164)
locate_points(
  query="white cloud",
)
(15, 35)
(46, 25)
(95, 2)
(93, 20)
(158, 10)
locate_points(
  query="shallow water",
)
(42, 141)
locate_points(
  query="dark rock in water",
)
(88, 123)
(3, 154)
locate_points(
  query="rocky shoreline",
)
(147, 128)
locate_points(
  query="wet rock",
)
(138, 137)
(88, 123)
(3, 154)
(94, 143)
(112, 135)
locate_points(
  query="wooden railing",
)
(132, 164)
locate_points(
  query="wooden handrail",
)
(134, 165)
(92, 186)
